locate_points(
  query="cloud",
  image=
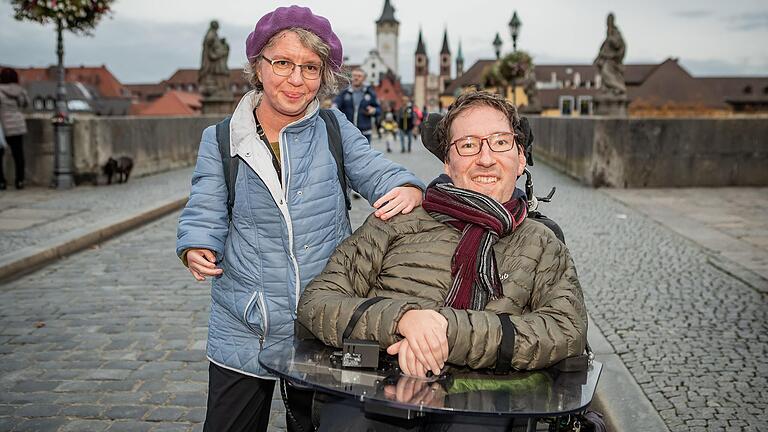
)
(693, 13)
(749, 21)
(716, 67)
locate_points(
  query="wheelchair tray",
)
(543, 393)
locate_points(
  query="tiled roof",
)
(174, 103)
(98, 77)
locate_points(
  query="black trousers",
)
(238, 402)
(16, 143)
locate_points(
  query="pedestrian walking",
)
(390, 129)
(406, 118)
(359, 103)
(13, 99)
(264, 233)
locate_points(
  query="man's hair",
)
(9, 76)
(358, 68)
(329, 78)
(472, 100)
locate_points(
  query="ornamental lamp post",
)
(514, 29)
(497, 46)
(62, 124)
(77, 16)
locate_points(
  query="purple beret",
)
(294, 16)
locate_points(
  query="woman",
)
(289, 213)
(13, 98)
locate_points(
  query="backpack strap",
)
(334, 144)
(229, 163)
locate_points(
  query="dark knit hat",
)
(288, 17)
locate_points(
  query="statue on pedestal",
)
(609, 62)
(213, 77)
(531, 92)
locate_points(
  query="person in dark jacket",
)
(359, 103)
(451, 271)
(406, 122)
(13, 98)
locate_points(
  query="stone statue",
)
(609, 61)
(531, 92)
(213, 78)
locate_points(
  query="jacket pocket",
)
(255, 315)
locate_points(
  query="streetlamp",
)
(62, 124)
(497, 45)
(514, 29)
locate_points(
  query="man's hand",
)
(416, 391)
(426, 333)
(371, 110)
(401, 199)
(406, 359)
(202, 263)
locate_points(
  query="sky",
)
(145, 41)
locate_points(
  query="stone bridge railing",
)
(634, 152)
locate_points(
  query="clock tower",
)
(387, 29)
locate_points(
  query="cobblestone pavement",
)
(35, 215)
(113, 338)
(733, 224)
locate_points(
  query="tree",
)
(77, 16)
(508, 70)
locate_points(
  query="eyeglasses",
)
(285, 68)
(471, 145)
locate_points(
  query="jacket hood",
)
(12, 90)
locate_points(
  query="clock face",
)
(386, 46)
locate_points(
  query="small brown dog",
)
(121, 166)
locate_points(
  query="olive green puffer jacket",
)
(407, 260)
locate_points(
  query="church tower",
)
(387, 30)
(445, 63)
(459, 63)
(420, 75)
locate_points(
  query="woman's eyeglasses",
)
(285, 68)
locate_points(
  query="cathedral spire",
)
(388, 14)
(420, 45)
(445, 49)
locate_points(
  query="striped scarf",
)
(482, 221)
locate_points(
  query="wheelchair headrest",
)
(429, 138)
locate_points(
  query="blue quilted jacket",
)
(282, 230)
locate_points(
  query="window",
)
(38, 104)
(585, 105)
(50, 104)
(748, 89)
(566, 105)
(577, 79)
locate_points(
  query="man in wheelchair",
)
(467, 279)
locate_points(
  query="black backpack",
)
(231, 164)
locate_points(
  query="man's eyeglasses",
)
(285, 68)
(471, 145)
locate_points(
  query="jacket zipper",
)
(265, 322)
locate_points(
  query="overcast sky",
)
(147, 40)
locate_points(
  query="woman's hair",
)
(329, 78)
(475, 99)
(8, 76)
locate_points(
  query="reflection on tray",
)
(536, 393)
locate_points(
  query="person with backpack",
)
(268, 207)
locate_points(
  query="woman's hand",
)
(426, 334)
(401, 199)
(202, 263)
